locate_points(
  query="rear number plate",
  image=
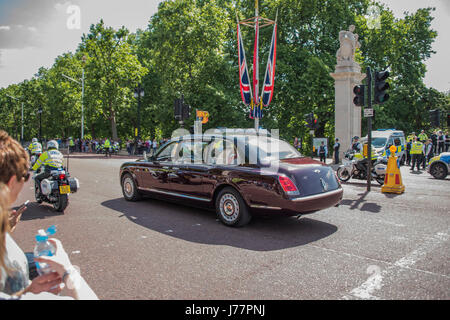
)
(64, 189)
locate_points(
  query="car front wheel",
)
(129, 189)
(439, 171)
(231, 208)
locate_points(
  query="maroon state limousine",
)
(237, 175)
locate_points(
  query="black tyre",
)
(343, 174)
(231, 208)
(439, 170)
(129, 188)
(62, 203)
(37, 194)
(380, 179)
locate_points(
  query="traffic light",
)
(309, 118)
(186, 111)
(358, 100)
(380, 96)
(178, 109)
(315, 124)
(435, 117)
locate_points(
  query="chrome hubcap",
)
(128, 187)
(229, 207)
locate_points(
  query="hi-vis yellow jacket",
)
(51, 158)
(416, 148)
(35, 147)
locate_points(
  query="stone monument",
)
(346, 76)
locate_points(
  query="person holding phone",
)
(14, 274)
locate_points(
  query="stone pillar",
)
(347, 74)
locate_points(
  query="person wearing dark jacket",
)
(336, 147)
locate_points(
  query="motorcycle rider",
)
(35, 147)
(51, 159)
(356, 145)
(360, 156)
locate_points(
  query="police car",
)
(439, 166)
(382, 139)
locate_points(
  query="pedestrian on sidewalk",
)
(323, 152)
(336, 147)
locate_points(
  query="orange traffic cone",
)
(393, 178)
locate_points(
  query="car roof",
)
(387, 133)
(219, 135)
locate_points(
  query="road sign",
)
(368, 113)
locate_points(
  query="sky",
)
(34, 32)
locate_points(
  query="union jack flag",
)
(244, 79)
(269, 78)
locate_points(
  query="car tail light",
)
(62, 176)
(288, 186)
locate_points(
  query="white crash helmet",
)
(34, 140)
(52, 144)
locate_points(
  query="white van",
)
(382, 139)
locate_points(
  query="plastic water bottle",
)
(44, 248)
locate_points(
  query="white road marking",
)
(375, 282)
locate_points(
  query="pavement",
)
(373, 246)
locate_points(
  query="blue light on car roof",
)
(386, 129)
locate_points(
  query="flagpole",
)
(256, 68)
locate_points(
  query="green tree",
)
(112, 71)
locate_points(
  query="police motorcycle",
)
(56, 188)
(115, 148)
(355, 166)
(34, 153)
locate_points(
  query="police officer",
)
(428, 152)
(440, 142)
(422, 136)
(409, 141)
(416, 154)
(336, 147)
(35, 147)
(51, 159)
(356, 145)
(71, 145)
(411, 137)
(107, 146)
(323, 152)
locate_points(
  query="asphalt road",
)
(373, 246)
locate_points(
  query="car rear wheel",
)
(129, 188)
(438, 170)
(231, 208)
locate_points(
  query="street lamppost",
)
(40, 123)
(21, 136)
(82, 94)
(138, 93)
